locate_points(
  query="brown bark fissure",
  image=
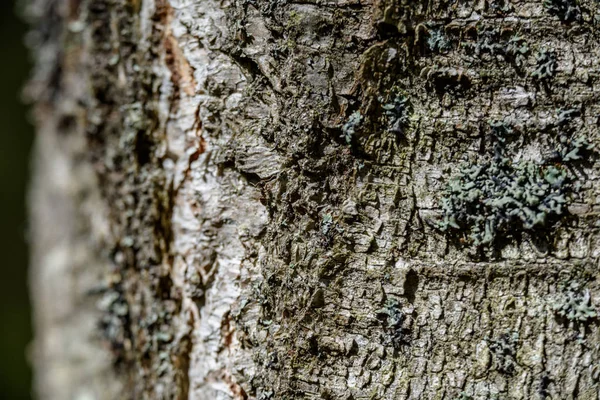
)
(125, 88)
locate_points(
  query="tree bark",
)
(248, 199)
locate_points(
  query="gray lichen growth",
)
(500, 6)
(397, 113)
(496, 195)
(571, 146)
(565, 10)
(463, 396)
(574, 304)
(501, 130)
(349, 128)
(565, 117)
(113, 323)
(490, 41)
(545, 65)
(326, 224)
(504, 349)
(516, 51)
(394, 323)
(438, 41)
(500, 195)
(574, 149)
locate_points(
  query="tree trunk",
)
(388, 199)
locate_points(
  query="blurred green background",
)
(15, 142)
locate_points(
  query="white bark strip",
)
(216, 211)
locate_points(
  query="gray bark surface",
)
(241, 199)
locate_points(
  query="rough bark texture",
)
(238, 200)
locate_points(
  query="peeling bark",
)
(238, 200)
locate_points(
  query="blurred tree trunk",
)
(238, 199)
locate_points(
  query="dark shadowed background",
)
(15, 142)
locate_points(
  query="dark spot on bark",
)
(66, 124)
(250, 66)
(143, 148)
(543, 385)
(165, 284)
(318, 299)
(74, 6)
(411, 284)
(313, 345)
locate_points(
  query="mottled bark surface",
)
(241, 200)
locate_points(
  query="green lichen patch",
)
(394, 320)
(437, 41)
(516, 51)
(397, 114)
(574, 304)
(565, 10)
(493, 197)
(114, 322)
(498, 45)
(326, 224)
(571, 146)
(349, 128)
(573, 149)
(500, 7)
(546, 63)
(504, 350)
(464, 396)
(489, 42)
(499, 195)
